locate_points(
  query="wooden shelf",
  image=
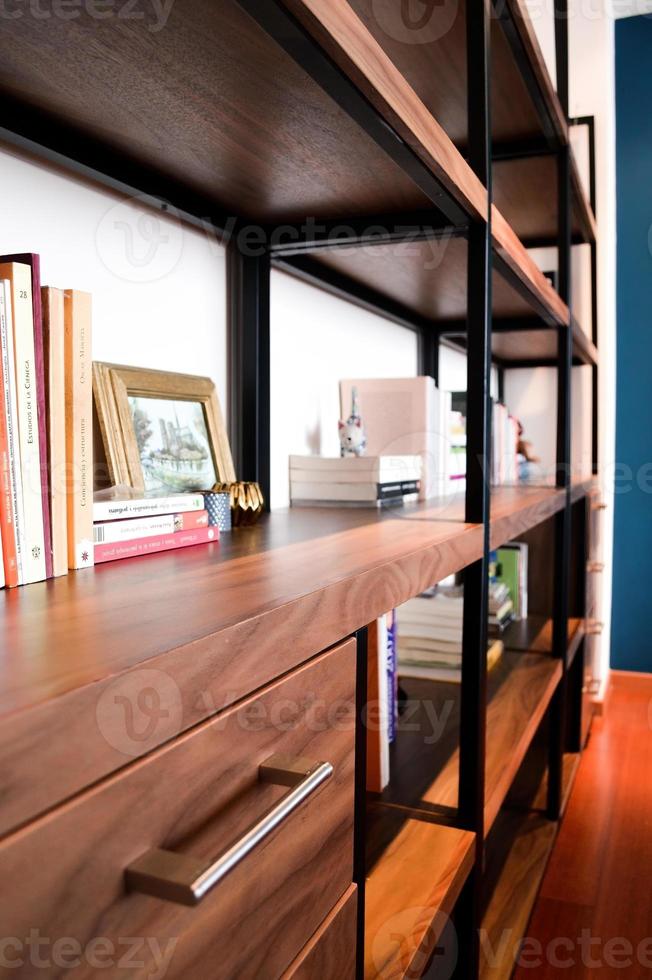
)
(435, 68)
(242, 122)
(217, 618)
(525, 191)
(411, 891)
(425, 763)
(513, 878)
(535, 635)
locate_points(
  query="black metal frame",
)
(288, 248)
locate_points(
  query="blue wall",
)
(631, 635)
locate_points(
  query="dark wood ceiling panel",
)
(209, 100)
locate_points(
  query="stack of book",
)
(46, 430)
(430, 631)
(352, 481)
(128, 528)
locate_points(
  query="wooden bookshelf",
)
(411, 890)
(513, 878)
(425, 762)
(271, 114)
(216, 613)
(535, 634)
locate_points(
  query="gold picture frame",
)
(117, 388)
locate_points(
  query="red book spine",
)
(7, 529)
(34, 262)
(191, 520)
(149, 546)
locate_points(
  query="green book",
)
(509, 561)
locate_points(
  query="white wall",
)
(592, 92)
(159, 301)
(158, 286)
(316, 340)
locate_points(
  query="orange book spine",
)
(7, 527)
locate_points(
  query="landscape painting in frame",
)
(174, 444)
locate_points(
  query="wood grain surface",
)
(411, 892)
(219, 619)
(425, 758)
(64, 873)
(331, 952)
(529, 839)
(598, 878)
(207, 100)
(344, 36)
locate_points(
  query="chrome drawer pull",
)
(595, 566)
(186, 880)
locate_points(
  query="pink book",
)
(149, 546)
(34, 262)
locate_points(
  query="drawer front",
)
(64, 875)
(330, 954)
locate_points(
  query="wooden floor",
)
(593, 917)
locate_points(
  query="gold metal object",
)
(247, 501)
(187, 880)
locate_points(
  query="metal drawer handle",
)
(186, 880)
(600, 506)
(595, 566)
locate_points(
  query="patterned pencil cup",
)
(218, 508)
(247, 501)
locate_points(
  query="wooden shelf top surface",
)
(515, 868)
(221, 619)
(426, 771)
(411, 891)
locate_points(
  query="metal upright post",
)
(563, 476)
(474, 652)
(249, 380)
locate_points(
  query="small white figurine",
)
(353, 441)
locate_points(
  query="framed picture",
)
(162, 432)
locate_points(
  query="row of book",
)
(413, 417)
(131, 527)
(430, 627)
(354, 481)
(46, 433)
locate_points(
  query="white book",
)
(400, 417)
(11, 412)
(33, 555)
(355, 469)
(114, 532)
(344, 491)
(118, 508)
(434, 631)
(452, 675)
